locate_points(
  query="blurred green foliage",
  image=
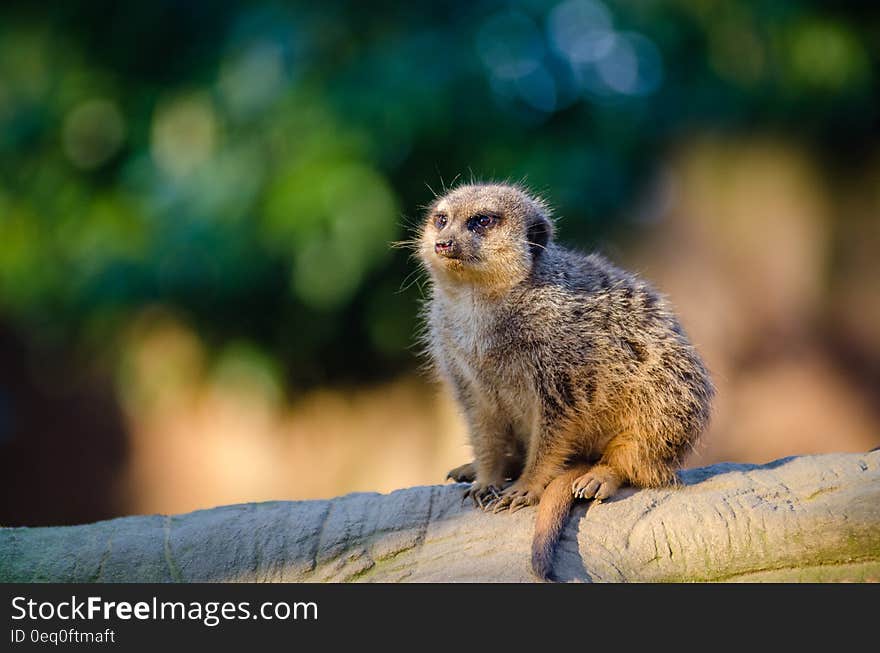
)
(248, 163)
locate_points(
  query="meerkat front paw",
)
(466, 473)
(599, 483)
(514, 498)
(482, 494)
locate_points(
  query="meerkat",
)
(574, 375)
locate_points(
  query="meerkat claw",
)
(490, 496)
(519, 504)
(483, 496)
(500, 504)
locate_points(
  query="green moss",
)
(854, 572)
(856, 558)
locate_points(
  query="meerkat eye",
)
(481, 221)
(440, 221)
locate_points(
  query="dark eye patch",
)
(482, 222)
(440, 220)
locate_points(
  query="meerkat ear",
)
(539, 233)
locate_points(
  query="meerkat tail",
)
(552, 511)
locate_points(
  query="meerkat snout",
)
(445, 248)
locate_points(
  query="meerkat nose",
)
(442, 246)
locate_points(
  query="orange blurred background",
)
(199, 304)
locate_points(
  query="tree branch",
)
(805, 518)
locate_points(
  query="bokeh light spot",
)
(244, 369)
(250, 81)
(93, 132)
(184, 134)
(510, 45)
(337, 219)
(580, 30)
(823, 54)
(632, 66)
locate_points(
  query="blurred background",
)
(198, 301)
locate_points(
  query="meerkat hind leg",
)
(601, 482)
(623, 461)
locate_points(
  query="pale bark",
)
(805, 518)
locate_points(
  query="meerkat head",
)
(484, 234)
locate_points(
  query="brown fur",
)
(552, 511)
(560, 361)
